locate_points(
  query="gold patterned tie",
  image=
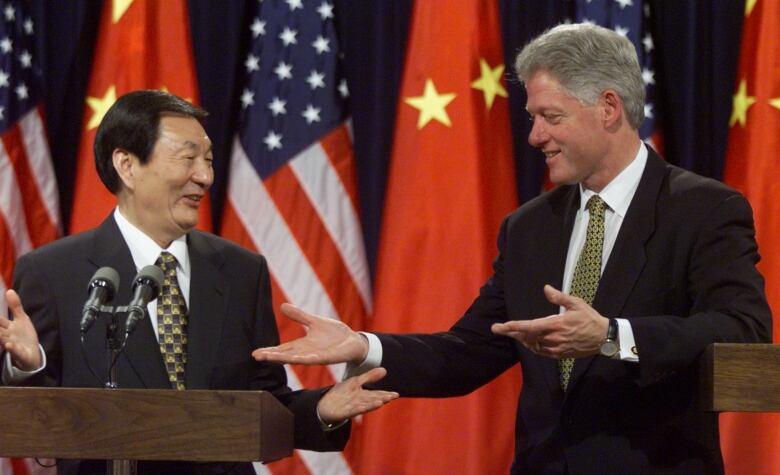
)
(172, 321)
(587, 273)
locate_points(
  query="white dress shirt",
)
(145, 252)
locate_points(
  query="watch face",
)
(609, 348)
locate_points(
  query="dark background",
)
(696, 47)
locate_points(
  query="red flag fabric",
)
(451, 182)
(292, 191)
(751, 442)
(142, 44)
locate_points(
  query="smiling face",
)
(162, 196)
(572, 136)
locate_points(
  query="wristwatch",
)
(609, 347)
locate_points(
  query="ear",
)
(612, 108)
(124, 164)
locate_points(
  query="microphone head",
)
(107, 278)
(152, 276)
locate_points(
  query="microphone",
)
(146, 287)
(101, 289)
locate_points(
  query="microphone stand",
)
(115, 345)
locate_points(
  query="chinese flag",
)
(142, 44)
(451, 181)
(751, 442)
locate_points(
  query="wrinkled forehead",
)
(182, 133)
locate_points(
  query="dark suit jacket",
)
(230, 314)
(682, 271)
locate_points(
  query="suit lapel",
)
(628, 256)
(208, 301)
(550, 266)
(142, 351)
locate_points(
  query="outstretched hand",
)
(327, 341)
(575, 333)
(348, 398)
(18, 336)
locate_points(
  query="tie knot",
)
(166, 261)
(596, 207)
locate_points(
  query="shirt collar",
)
(145, 250)
(619, 192)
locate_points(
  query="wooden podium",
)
(144, 424)
(741, 377)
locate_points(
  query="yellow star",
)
(490, 82)
(749, 4)
(740, 105)
(431, 105)
(775, 102)
(100, 106)
(119, 9)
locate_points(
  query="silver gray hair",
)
(587, 60)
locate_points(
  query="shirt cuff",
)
(329, 427)
(373, 358)
(14, 375)
(628, 351)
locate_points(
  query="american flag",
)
(292, 190)
(630, 18)
(29, 200)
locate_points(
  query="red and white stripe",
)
(29, 217)
(304, 220)
(29, 200)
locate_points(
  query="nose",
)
(203, 173)
(538, 135)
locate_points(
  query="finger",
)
(296, 314)
(559, 298)
(15, 304)
(514, 326)
(371, 376)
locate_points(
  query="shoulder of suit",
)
(683, 183)
(68, 246)
(545, 203)
(226, 248)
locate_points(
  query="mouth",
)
(550, 154)
(192, 200)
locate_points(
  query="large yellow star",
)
(749, 4)
(431, 105)
(740, 105)
(489, 82)
(100, 106)
(775, 102)
(119, 7)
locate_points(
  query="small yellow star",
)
(775, 102)
(100, 106)
(431, 105)
(490, 82)
(749, 4)
(740, 105)
(119, 8)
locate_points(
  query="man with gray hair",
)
(607, 289)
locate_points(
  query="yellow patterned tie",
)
(587, 273)
(172, 321)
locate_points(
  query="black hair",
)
(132, 124)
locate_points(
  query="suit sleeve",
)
(460, 360)
(725, 290)
(39, 303)
(271, 377)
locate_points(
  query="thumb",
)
(371, 376)
(15, 305)
(559, 298)
(296, 314)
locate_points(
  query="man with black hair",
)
(152, 152)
